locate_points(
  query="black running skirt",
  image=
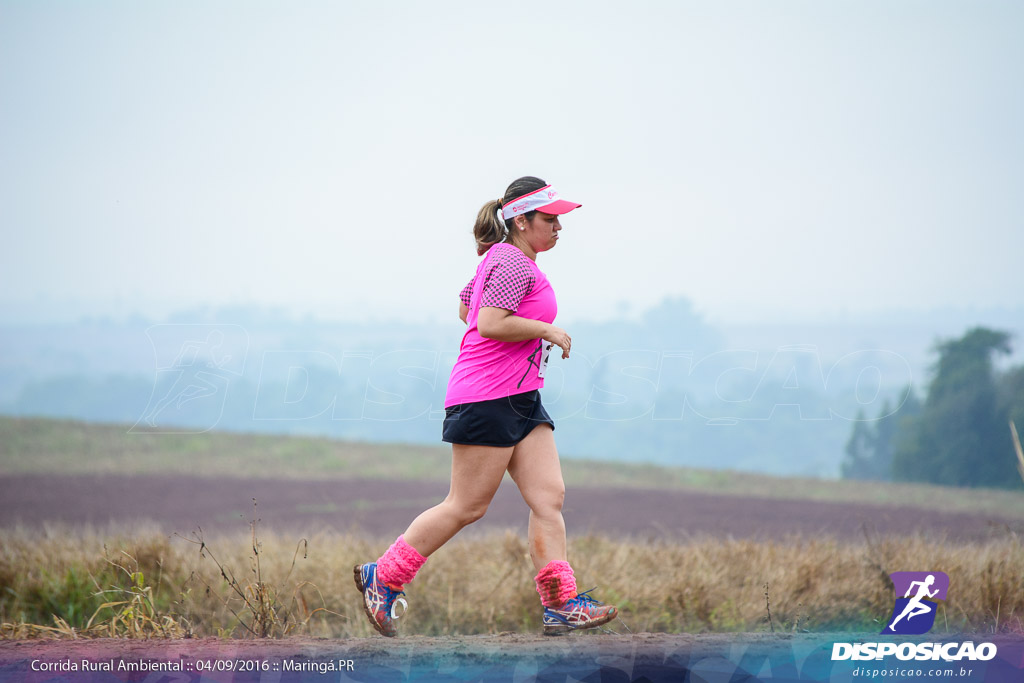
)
(497, 422)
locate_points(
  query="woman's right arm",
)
(502, 325)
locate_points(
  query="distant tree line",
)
(662, 387)
(959, 435)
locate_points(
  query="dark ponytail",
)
(488, 230)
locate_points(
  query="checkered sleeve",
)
(467, 292)
(510, 279)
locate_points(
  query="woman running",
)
(494, 417)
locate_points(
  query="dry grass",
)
(484, 584)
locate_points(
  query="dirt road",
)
(503, 657)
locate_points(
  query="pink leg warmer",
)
(400, 563)
(556, 584)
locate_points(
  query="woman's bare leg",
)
(537, 472)
(476, 475)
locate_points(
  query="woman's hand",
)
(501, 324)
(560, 338)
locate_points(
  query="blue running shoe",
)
(379, 599)
(578, 613)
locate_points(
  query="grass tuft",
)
(483, 584)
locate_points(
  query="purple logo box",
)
(902, 580)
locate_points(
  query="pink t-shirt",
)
(486, 368)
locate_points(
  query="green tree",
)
(860, 450)
(961, 436)
(1011, 397)
(869, 451)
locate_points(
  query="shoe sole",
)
(357, 572)
(562, 629)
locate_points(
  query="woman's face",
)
(541, 233)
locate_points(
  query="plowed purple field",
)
(224, 505)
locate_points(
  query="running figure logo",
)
(915, 611)
(195, 364)
(532, 361)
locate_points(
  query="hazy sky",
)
(761, 158)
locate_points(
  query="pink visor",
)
(545, 199)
